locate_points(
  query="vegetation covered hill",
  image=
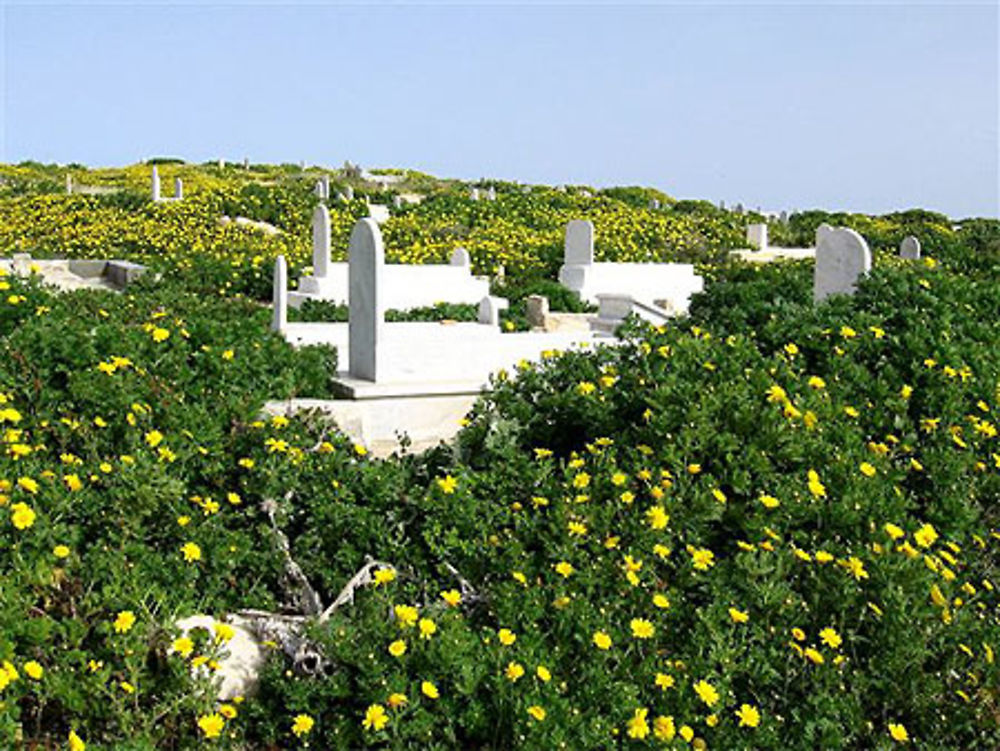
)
(768, 525)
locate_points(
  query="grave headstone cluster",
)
(154, 188)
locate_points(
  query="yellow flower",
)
(429, 690)
(224, 632)
(182, 646)
(537, 712)
(447, 484)
(661, 601)
(427, 628)
(160, 335)
(702, 558)
(706, 692)
(543, 674)
(898, 732)
(602, 640)
(815, 657)
(22, 516)
(830, 638)
(581, 480)
(664, 681)
(867, 469)
(384, 576)
(893, 531)
(406, 615)
(769, 501)
(396, 700)
(211, 725)
(641, 628)
(191, 552)
(664, 729)
(60, 551)
(564, 568)
(638, 728)
(228, 711)
(817, 383)
(738, 616)
(815, 486)
(375, 718)
(154, 438)
(124, 622)
(506, 636)
(748, 715)
(76, 742)
(657, 517)
(33, 670)
(397, 648)
(452, 597)
(694, 468)
(514, 671)
(925, 536)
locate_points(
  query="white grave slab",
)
(910, 248)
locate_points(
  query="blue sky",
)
(783, 106)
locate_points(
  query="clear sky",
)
(782, 106)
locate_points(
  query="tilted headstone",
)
(460, 257)
(155, 184)
(536, 308)
(842, 257)
(279, 296)
(579, 247)
(366, 305)
(321, 241)
(178, 189)
(909, 248)
(757, 236)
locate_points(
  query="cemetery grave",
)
(769, 521)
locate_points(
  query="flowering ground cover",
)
(768, 525)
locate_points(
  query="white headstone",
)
(349, 193)
(783, 217)
(397, 202)
(279, 295)
(325, 181)
(489, 310)
(178, 189)
(69, 183)
(222, 164)
(460, 257)
(757, 236)
(909, 248)
(366, 304)
(246, 162)
(654, 204)
(491, 194)
(579, 247)
(842, 257)
(321, 241)
(155, 184)
(474, 194)
(318, 190)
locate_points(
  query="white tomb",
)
(842, 258)
(667, 286)
(910, 248)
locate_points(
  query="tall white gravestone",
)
(909, 248)
(154, 187)
(366, 303)
(178, 189)
(757, 236)
(842, 257)
(279, 298)
(579, 243)
(321, 242)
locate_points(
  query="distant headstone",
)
(279, 301)
(349, 193)
(302, 164)
(155, 184)
(909, 248)
(654, 204)
(579, 245)
(783, 217)
(325, 182)
(757, 236)
(318, 190)
(222, 164)
(722, 205)
(738, 208)
(321, 241)
(366, 305)
(474, 194)
(69, 184)
(536, 308)
(397, 201)
(246, 163)
(460, 257)
(178, 189)
(491, 194)
(842, 257)
(489, 310)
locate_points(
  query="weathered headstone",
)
(757, 236)
(155, 184)
(536, 308)
(579, 244)
(246, 163)
(318, 190)
(909, 248)
(222, 164)
(325, 182)
(491, 194)
(178, 189)
(366, 306)
(69, 184)
(460, 257)
(321, 241)
(842, 257)
(397, 201)
(783, 217)
(489, 310)
(474, 194)
(279, 296)
(738, 208)
(654, 204)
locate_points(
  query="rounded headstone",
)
(579, 245)
(366, 304)
(909, 248)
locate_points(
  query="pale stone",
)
(241, 658)
(326, 187)
(536, 309)
(654, 204)
(246, 163)
(69, 184)
(349, 193)
(321, 241)
(474, 194)
(366, 304)
(489, 310)
(318, 190)
(909, 248)
(757, 236)
(579, 244)
(783, 217)
(155, 184)
(397, 202)
(178, 189)
(491, 194)
(279, 299)
(222, 164)
(842, 257)
(379, 212)
(460, 257)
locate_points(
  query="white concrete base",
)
(774, 254)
